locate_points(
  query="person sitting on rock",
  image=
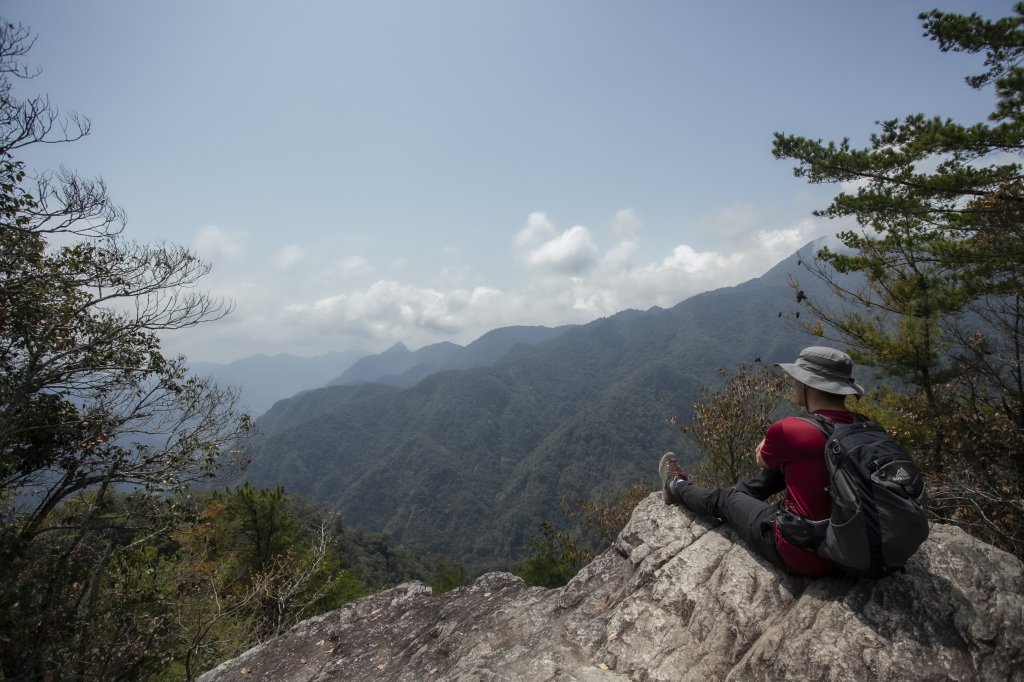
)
(791, 457)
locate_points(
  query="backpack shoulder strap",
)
(826, 425)
(820, 421)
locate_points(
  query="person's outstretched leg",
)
(750, 517)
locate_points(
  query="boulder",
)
(676, 598)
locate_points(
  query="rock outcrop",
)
(676, 598)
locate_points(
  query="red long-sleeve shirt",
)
(797, 448)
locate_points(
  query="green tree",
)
(259, 523)
(941, 253)
(447, 576)
(244, 572)
(729, 423)
(607, 517)
(292, 572)
(88, 403)
(554, 558)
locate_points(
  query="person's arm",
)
(774, 450)
(757, 455)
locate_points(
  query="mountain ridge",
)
(398, 366)
(466, 462)
(262, 379)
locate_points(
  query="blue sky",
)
(360, 173)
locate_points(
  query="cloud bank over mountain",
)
(313, 298)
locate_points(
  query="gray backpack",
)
(879, 504)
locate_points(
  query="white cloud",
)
(570, 277)
(483, 295)
(787, 240)
(620, 255)
(570, 252)
(626, 224)
(541, 246)
(687, 260)
(389, 310)
(215, 243)
(618, 281)
(354, 266)
(288, 257)
(537, 230)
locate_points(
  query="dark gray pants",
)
(743, 507)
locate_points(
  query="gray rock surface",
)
(676, 598)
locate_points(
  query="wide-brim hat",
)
(825, 369)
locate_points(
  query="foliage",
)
(89, 406)
(264, 526)
(555, 557)
(157, 592)
(447, 576)
(941, 247)
(71, 597)
(245, 572)
(728, 424)
(608, 518)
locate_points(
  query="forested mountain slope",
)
(466, 463)
(398, 366)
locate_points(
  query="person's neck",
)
(816, 402)
(829, 408)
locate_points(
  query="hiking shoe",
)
(670, 471)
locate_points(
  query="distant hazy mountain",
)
(398, 366)
(263, 380)
(466, 462)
